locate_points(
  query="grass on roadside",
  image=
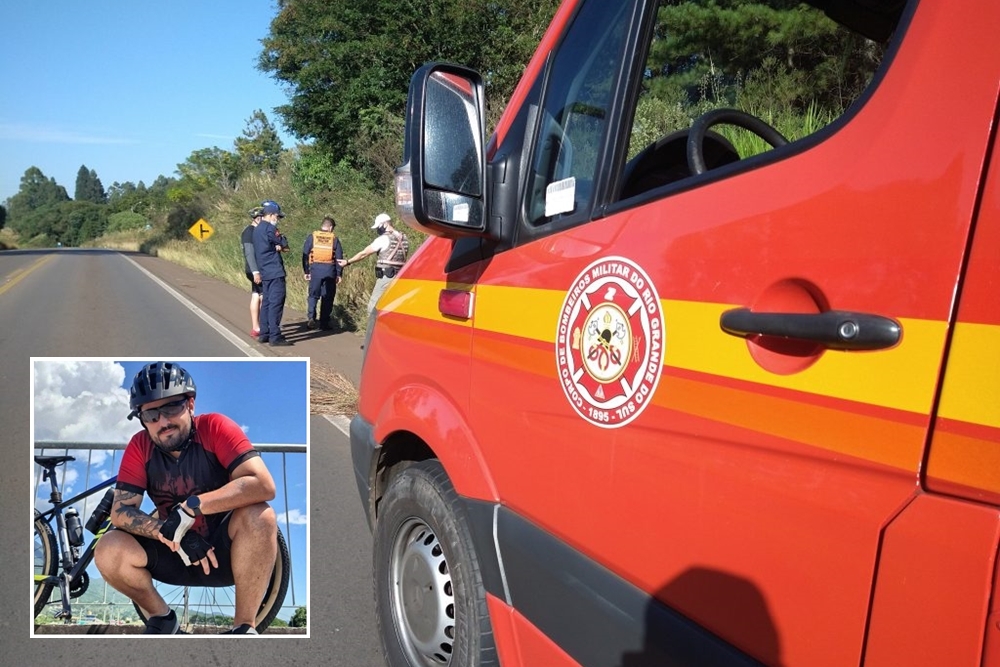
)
(331, 393)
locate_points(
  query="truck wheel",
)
(429, 596)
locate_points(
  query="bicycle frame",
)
(70, 565)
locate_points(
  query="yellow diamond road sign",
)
(201, 230)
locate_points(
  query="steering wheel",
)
(696, 135)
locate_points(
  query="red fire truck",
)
(700, 364)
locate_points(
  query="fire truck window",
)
(784, 63)
(572, 121)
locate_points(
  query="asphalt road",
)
(98, 303)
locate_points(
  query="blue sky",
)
(86, 400)
(129, 89)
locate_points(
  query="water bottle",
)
(102, 512)
(74, 529)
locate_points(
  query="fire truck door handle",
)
(834, 329)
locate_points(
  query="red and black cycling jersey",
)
(217, 448)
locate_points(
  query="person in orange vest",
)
(320, 255)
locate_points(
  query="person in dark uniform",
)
(211, 489)
(319, 264)
(268, 244)
(253, 273)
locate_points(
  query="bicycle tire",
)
(46, 560)
(274, 596)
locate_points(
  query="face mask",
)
(380, 230)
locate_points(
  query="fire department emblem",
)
(609, 345)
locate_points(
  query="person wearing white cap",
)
(391, 247)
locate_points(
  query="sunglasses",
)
(171, 409)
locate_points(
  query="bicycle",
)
(58, 561)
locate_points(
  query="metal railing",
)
(51, 448)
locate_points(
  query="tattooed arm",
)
(126, 515)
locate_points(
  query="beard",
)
(170, 438)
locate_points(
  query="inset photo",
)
(171, 496)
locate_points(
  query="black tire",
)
(46, 560)
(214, 603)
(429, 596)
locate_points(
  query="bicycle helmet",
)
(161, 379)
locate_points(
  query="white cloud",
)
(81, 401)
(295, 517)
(52, 135)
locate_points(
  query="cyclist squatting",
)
(213, 525)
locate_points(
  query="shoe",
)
(244, 629)
(311, 324)
(262, 339)
(255, 333)
(326, 327)
(280, 342)
(163, 625)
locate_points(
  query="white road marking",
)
(226, 333)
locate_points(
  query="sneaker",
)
(245, 629)
(163, 625)
(280, 342)
(311, 324)
(255, 333)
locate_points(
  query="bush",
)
(125, 221)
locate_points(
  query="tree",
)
(298, 618)
(3, 216)
(88, 187)
(772, 52)
(352, 60)
(259, 149)
(209, 167)
(36, 191)
(84, 221)
(33, 210)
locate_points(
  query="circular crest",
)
(609, 342)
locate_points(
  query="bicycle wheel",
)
(216, 606)
(46, 561)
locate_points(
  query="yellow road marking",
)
(19, 275)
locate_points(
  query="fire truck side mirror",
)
(440, 186)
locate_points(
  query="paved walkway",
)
(230, 306)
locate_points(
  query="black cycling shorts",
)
(255, 288)
(167, 566)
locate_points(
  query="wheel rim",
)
(422, 597)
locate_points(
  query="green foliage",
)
(259, 149)
(708, 50)
(131, 198)
(351, 61)
(35, 193)
(88, 187)
(182, 216)
(379, 144)
(3, 216)
(207, 168)
(85, 220)
(125, 221)
(298, 618)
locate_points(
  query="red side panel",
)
(932, 590)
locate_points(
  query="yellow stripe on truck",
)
(972, 381)
(900, 378)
